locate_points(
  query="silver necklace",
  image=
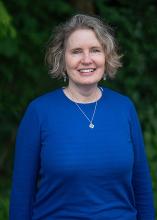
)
(91, 124)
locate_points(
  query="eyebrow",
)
(79, 48)
(76, 48)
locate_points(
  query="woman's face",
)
(84, 58)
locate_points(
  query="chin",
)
(91, 81)
(88, 82)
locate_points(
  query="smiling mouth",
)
(87, 70)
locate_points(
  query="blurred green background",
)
(25, 27)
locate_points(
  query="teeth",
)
(86, 70)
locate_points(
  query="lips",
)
(89, 70)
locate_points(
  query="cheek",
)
(67, 61)
(70, 62)
(99, 60)
(102, 61)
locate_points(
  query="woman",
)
(79, 150)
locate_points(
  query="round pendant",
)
(91, 125)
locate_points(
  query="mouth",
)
(87, 71)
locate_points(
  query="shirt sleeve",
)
(26, 165)
(141, 176)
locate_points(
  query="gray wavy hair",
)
(55, 50)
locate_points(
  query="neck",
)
(83, 94)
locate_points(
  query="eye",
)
(96, 50)
(76, 51)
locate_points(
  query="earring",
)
(64, 77)
(104, 77)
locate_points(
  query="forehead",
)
(81, 37)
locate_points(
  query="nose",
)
(86, 59)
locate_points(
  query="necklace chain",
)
(91, 125)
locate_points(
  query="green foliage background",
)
(25, 27)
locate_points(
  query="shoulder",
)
(45, 103)
(120, 103)
(47, 98)
(116, 98)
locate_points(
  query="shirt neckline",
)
(82, 103)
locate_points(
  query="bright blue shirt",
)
(65, 170)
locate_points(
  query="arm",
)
(26, 166)
(141, 176)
